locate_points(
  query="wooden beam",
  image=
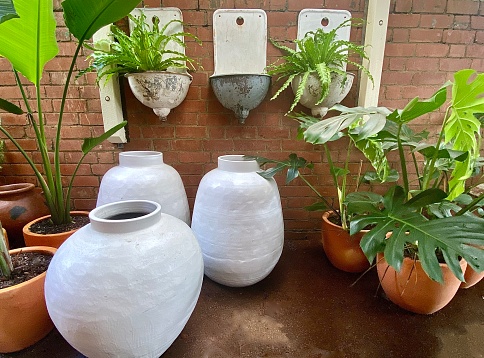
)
(375, 39)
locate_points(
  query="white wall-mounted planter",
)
(311, 20)
(125, 285)
(237, 219)
(240, 45)
(338, 90)
(143, 175)
(161, 91)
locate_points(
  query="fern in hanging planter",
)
(144, 49)
(319, 53)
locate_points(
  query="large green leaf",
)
(29, 41)
(416, 107)
(462, 129)
(7, 10)
(453, 236)
(10, 107)
(85, 17)
(90, 143)
(371, 119)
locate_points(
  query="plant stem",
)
(430, 167)
(470, 206)
(6, 266)
(335, 178)
(319, 195)
(402, 161)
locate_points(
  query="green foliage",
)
(320, 53)
(360, 125)
(433, 216)
(6, 266)
(7, 10)
(29, 43)
(145, 49)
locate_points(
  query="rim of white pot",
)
(237, 163)
(140, 157)
(147, 213)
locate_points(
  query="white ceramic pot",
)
(161, 91)
(143, 175)
(126, 284)
(337, 92)
(237, 219)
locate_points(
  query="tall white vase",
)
(143, 175)
(126, 284)
(237, 219)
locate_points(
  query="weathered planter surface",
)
(337, 92)
(161, 91)
(19, 204)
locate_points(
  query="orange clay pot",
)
(23, 314)
(19, 204)
(343, 250)
(52, 240)
(413, 290)
(472, 277)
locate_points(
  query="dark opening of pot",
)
(124, 216)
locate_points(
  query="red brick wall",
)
(426, 42)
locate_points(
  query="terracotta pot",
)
(19, 204)
(413, 290)
(52, 240)
(472, 277)
(23, 313)
(343, 250)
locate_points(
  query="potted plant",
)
(342, 250)
(157, 73)
(23, 310)
(427, 221)
(28, 42)
(316, 69)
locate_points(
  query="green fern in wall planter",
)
(320, 53)
(144, 49)
(28, 42)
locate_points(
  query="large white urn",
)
(237, 219)
(126, 284)
(143, 175)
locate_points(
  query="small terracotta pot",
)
(472, 277)
(413, 290)
(52, 240)
(19, 204)
(24, 319)
(343, 250)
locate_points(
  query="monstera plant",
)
(429, 219)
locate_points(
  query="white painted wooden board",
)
(375, 40)
(240, 41)
(313, 19)
(110, 95)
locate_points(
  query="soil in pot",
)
(26, 265)
(46, 227)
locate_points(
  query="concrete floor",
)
(307, 309)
